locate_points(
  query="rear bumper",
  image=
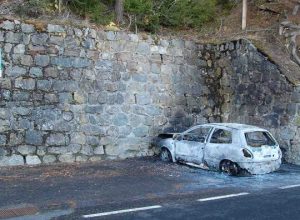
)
(261, 167)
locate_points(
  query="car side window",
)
(197, 135)
(221, 136)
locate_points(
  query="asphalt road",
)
(146, 188)
(278, 204)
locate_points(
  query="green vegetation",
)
(35, 8)
(148, 15)
(99, 12)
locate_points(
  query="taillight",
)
(247, 153)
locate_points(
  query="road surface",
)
(145, 188)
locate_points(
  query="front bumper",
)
(261, 167)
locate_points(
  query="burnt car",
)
(227, 147)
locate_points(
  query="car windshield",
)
(259, 138)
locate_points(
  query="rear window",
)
(259, 138)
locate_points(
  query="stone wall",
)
(70, 94)
(256, 92)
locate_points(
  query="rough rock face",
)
(70, 94)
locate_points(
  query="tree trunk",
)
(119, 10)
(244, 16)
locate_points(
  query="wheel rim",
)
(230, 168)
(165, 155)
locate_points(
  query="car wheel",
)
(165, 155)
(230, 167)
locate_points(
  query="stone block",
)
(15, 71)
(3, 152)
(39, 39)
(81, 158)
(19, 49)
(21, 96)
(33, 137)
(41, 151)
(99, 150)
(14, 38)
(143, 99)
(79, 98)
(57, 40)
(27, 28)
(5, 83)
(2, 140)
(42, 60)
(66, 158)
(93, 140)
(15, 139)
(94, 109)
(116, 98)
(57, 140)
(36, 72)
(51, 72)
(68, 116)
(78, 138)
(141, 131)
(92, 130)
(296, 97)
(26, 60)
(95, 158)
(7, 25)
(49, 159)
(74, 148)
(87, 150)
(33, 160)
(21, 111)
(7, 47)
(44, 85)
(120, 119)
(26, 84)
(51, 98)
(14, 160)
(26, 149)
(78, 32)
(55, 28)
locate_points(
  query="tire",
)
(229, 167)
(165, 155)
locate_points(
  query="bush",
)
(97, 11)
(145, 17)
(187, 13)
(35, 8)
(151, 14)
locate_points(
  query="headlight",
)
(247, 153)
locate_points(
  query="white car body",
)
(264, 156)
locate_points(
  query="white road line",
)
(289, 186)
(222, 197)
(122, 211)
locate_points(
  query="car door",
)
(218, 146)
(189, 146)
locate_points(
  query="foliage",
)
(151, 14)
(145, 16)
(148, 15)
(97, 11)
(35, 8)
(187, 13)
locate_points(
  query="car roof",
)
(236, 126)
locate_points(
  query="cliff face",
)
(70, 94)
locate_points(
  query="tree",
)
(244, 16)
(119, 10)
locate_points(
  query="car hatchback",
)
(227, 147)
